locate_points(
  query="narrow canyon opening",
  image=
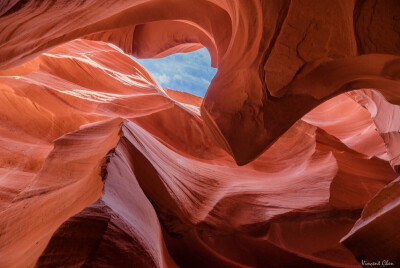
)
(189, 72)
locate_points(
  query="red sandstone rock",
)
(263, 50)
(378, 223)
(101, 167)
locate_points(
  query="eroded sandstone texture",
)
(292, 159)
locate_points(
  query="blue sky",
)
(189, 72)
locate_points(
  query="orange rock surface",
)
(291, 159)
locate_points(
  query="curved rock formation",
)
(101, 167)
(270, 54)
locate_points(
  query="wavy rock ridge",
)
(276, 166)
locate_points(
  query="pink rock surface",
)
(270, 55)
(276, 167)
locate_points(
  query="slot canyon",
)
(291, 159)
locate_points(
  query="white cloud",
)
(163, 78)
(177, 77)
(204, 53)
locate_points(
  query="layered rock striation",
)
(291, 159)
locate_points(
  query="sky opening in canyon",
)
(188, 72)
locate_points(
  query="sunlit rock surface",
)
(291, 159)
